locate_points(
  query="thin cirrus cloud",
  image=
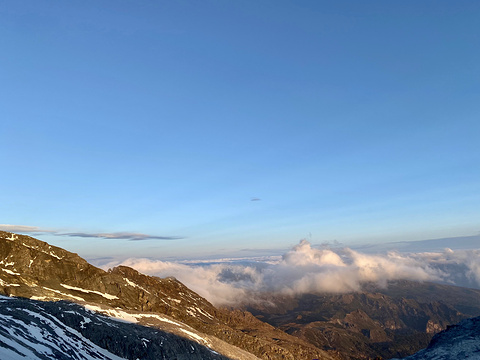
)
(24, 229)
(122, 236)
(131, 236)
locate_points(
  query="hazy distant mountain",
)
(458, 242)
(33, 269)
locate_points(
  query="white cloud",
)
(307, 269)
(204, 280)
(303, 254)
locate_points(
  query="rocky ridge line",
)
(34, 269)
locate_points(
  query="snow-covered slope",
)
(31, 329)
(29, 334)
(460, 341)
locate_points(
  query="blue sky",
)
(350, 121)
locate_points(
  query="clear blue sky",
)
(355, 121)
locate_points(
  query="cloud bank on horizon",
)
(305, 269)
(131, 236)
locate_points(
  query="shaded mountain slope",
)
(396, 321)
(64, 330)
(460, 341)
(34, 269)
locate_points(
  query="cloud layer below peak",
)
(305, 269)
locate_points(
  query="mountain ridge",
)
(378, 322)
(33, 269)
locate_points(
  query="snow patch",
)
(64, 294)
(10, 272)
(85, 321)
(54, 255)
(131, 283)
(12, 237)
(107, 296)
(7, 264)
(196, 337)
(118, 315)
(48, 253)
(3, 283)
(192, 310)
(121, 315)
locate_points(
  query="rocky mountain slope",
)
(392, 322)
(460, 341)
(62, 330)
(33, 269)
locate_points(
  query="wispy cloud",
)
(24, 229)
(131, 236)
(121, 235)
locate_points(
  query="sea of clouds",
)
(306, 269)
